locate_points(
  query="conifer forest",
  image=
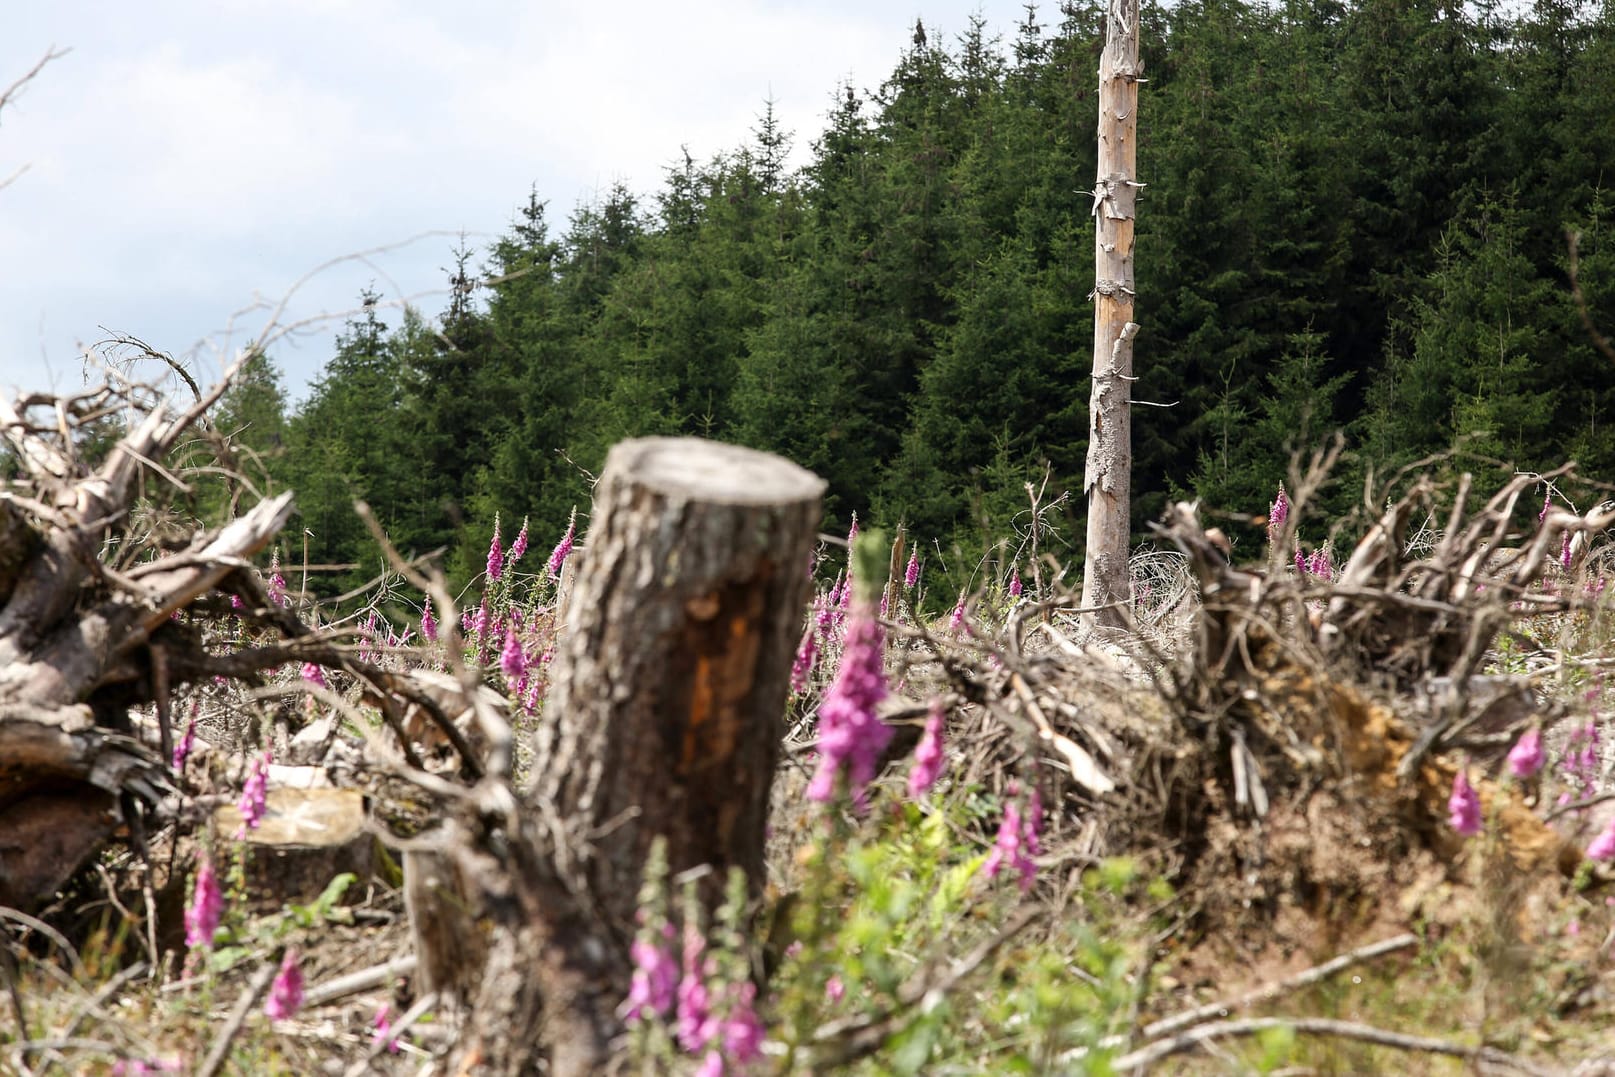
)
(1355, 217)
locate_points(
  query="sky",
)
(189, 167)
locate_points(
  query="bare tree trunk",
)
(665, 720)
(1106, 580)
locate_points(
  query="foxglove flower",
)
(956, 621)
(834, 989)
(564, 547)
(742, 1029)
(277, 582)
(1463, 806)
(1525, 758)
(1278, 515)
(911, 575)
(206, 907)
(313, 674)
(1322, 565)
(382, 1028)
(286, 993)
(519, 547)
(711, 1065)
(1300, 562)
(696, 1025)
(851, 734)
(512, 659)
(254, 796)
(496, 553)
(1547, 503)
(655, 979)
(1015, 586)
(928, 756)
(1603, 846)
(852, 534)
(428, 624)
(187, 741)
(1010, 848)
(807, 654)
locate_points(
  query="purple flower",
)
(1525, 758)
(1564, 550)
(1547, 503)
(807, 655)
(286, 993)
(187, 741)
(911, 575)
(1300, 561)
(207, 905)
(834, 989)
(852, 533)
(382, 1025)
(496, 553)
(711, 1065)
(1010, 847)
(654, 981)
(254, 795)
(742, 1029)
(564, 547)
(1278, 514)
(928, 756)
(1034, 822)
(277, 582)
(1464, 806)
(428, 623)
(513, 660)
(1321, 564)
(1603, 846)
(519, 547)
(696, 1025)
(851, 734)
(313, 674)
(1015, 584)
(956, 621)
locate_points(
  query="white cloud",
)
(187, 156)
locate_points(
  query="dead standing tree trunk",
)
(665, 720)
(1106, 581)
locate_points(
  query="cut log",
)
(665, 721)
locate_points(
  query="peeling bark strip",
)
(665, 719)
(1107, 478)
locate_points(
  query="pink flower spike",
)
(564, 547)
(911, 575)
(711, 1065)
(313, 674)
(206, 907)
(956, 620)
(1547, 503)
(1603, 846)
(428, 623)
(1525, 758)
(512, 659)
(1278, 514)
(851, 734)
(286, 993)
(928, 755)
(742, 1029)
(383, 1027)
(519, 547)
(655, 979)
(496, 553)
(696, 1026)
(807, 655)
(852, 533)
(187, 741)
(254, 796)
(1464, 806)
(1015, 586)
(834, 989)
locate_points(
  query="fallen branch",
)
(1277, 988)
(1150, 1054)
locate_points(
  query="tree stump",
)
(665, 720)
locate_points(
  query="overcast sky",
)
(186, 159)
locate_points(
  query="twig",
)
(238, 1017)
(413, 1014)
(1147, 1056)
(1273, 990)
(108, 989)
(354, 982)
(50, 933)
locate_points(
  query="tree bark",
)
(665, 720)
(1106, 579)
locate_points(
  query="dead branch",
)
(1147, 1056)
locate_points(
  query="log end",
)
(712, 471)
